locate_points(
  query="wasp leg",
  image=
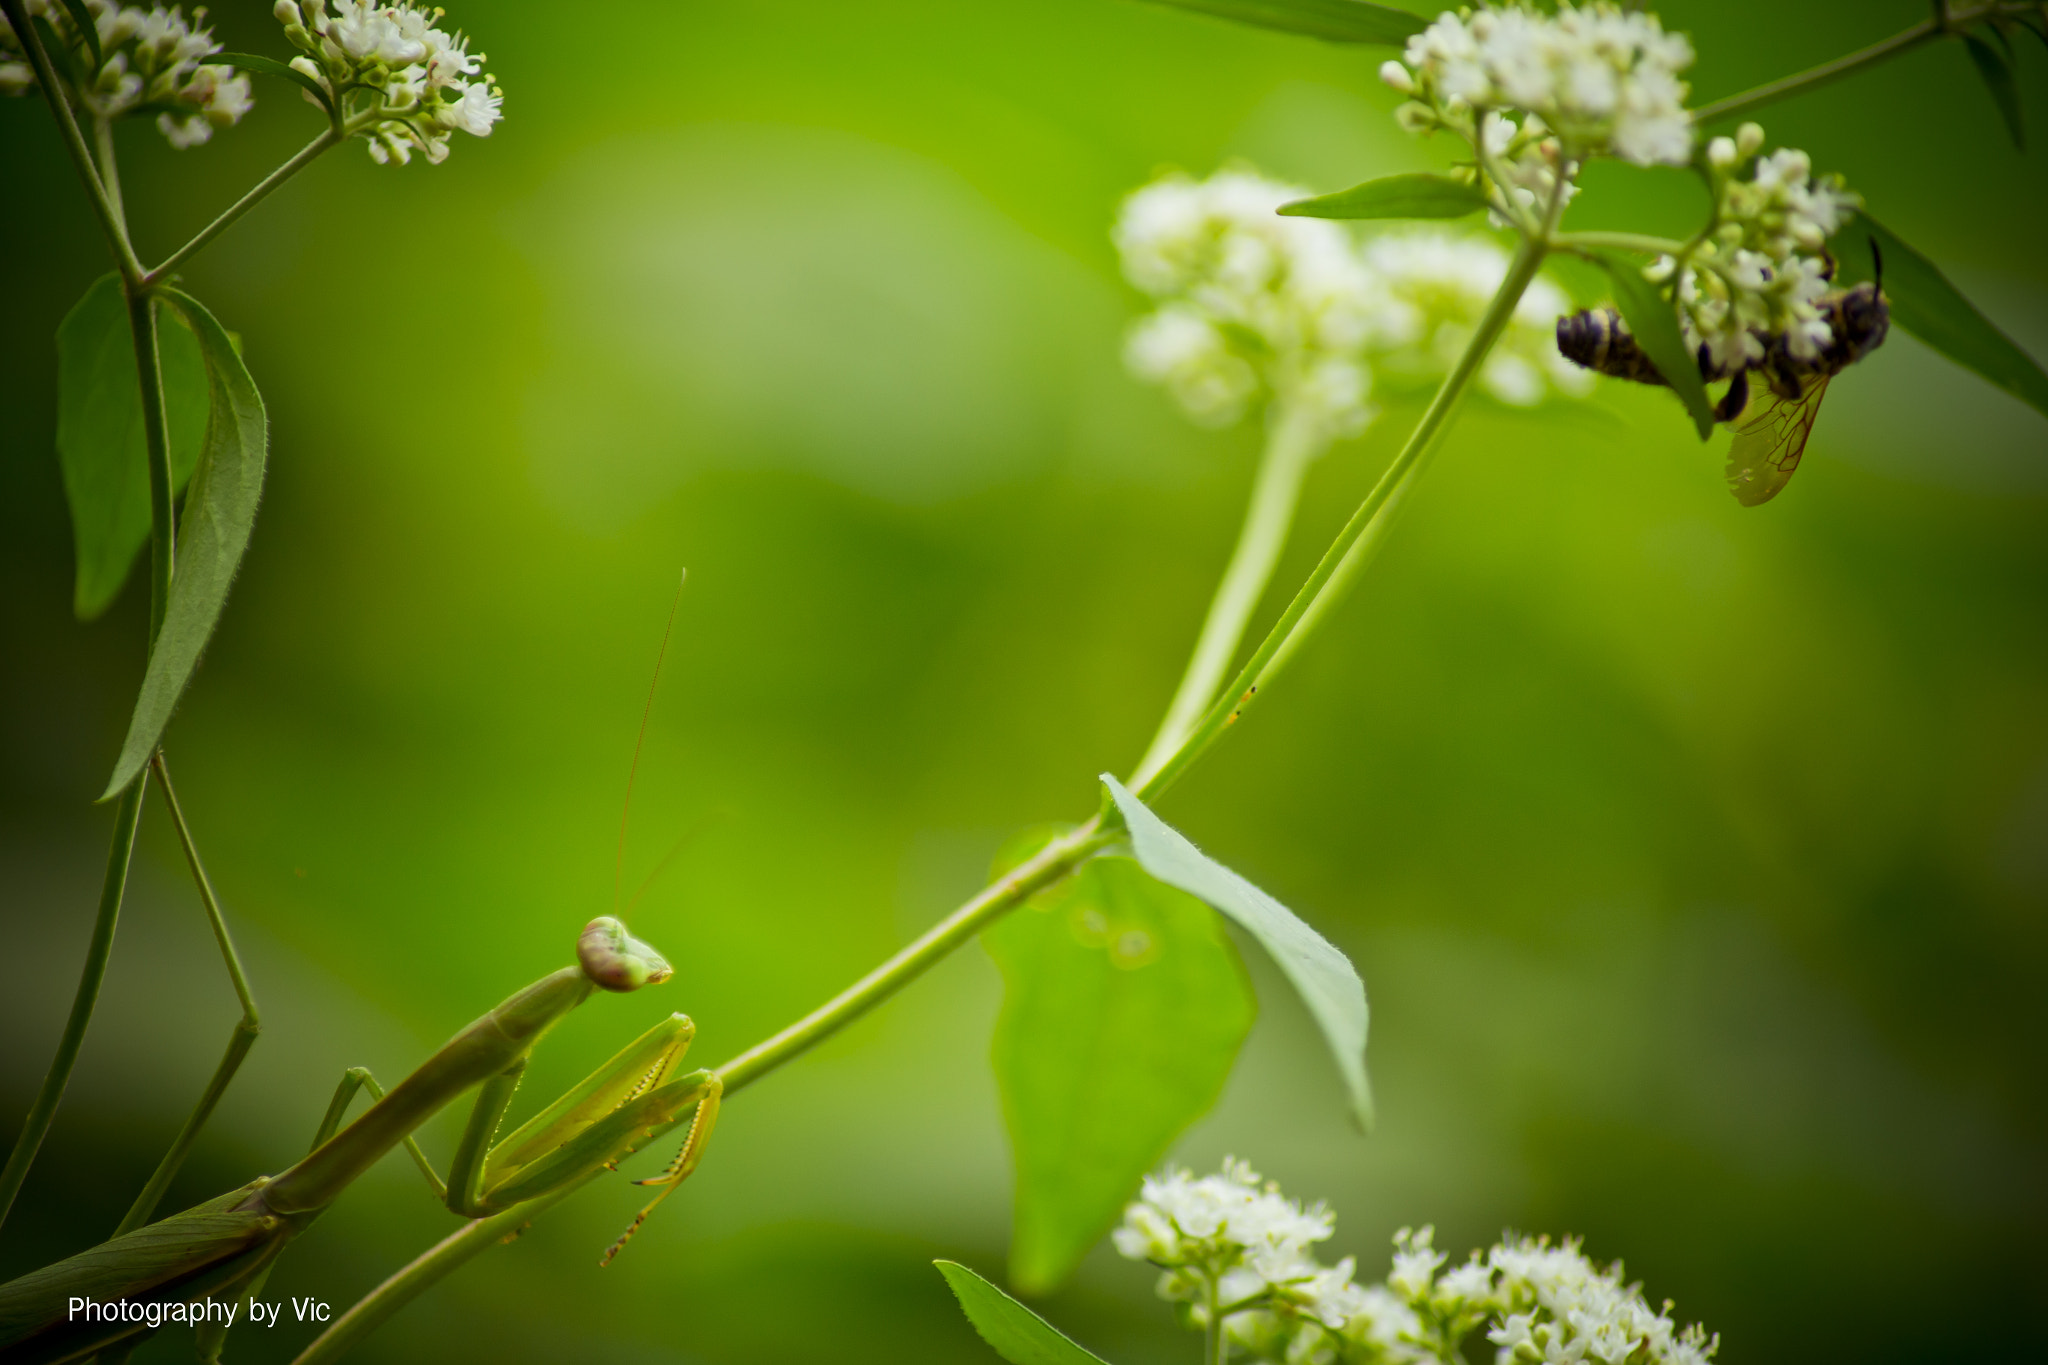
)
(687, 1157)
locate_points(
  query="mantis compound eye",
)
(616, 961)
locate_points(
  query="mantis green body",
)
(226, 1246)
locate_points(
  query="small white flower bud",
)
(286, 12)
(1749, 138)
(1721, 153)
(1396, 75)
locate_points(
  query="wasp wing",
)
(1770, 436)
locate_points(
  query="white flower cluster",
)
(419, 76)
(1255, 307)
(1761, 272)
(1232, 1241)
(1546, 91)
(149, 62)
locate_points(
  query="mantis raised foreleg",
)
(223, 1247)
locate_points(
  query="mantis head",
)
(616, 961)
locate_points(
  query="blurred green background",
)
(1695, 858)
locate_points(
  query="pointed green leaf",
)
(1018, 1335)
(1653, 320)
(1323, 976)
(1124, 1005)
(99, 434)
(1925, 303)
(1338, 21)
(1998, 78)
(219, 512)
(270, 66)
(1394, 196)
(82, 20)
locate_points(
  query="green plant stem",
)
(110, 171)
(240, 1040)
(163, 537)
(305, 157)
(1213, 1345)
(1042, 869)
(1947, 20)
(1293, 442)
(127, 813)
(1244, 688)
(103, 207)
(1619, 241)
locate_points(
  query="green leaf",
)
(1324, 977)
(1653, 320)
(82, 20)
(220, 510)
(1998, 78)
(1394, 196)
(1339, 21)
(1019, 1335)
(1925, 303)
(99, 434)
(270, 66)
(1124, 1005)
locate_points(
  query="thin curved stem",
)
(43, 1112)
(1948, 19)
(1048, 865)
(1619, 241)
(163, 539)
(1292, 444)
(1244, 688)
(305, 157)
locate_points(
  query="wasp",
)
(1771, 428)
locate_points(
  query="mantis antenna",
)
(626, 811)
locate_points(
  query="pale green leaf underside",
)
(1338, 21)
(99, 434)
(1394, 196)
(1018, 1335)
(1324, 977)
(220, 511)
(1124, 1005)
(1925, 303)
(1654, 322)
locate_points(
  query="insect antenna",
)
(626, 811)
(683, 841)
(1877, 265)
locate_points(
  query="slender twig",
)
(74, 140)
(1242, 689)
(109, 169)
(1948, 19)
(1048, 865)
(240, 1040)
(163, 539)
(306, 156)
(1619, 241)
(44, 1110)
(1293, 441)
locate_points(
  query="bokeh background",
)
(1695, 858)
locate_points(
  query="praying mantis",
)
(226, 1246)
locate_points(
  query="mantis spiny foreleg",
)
(686, 1160)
